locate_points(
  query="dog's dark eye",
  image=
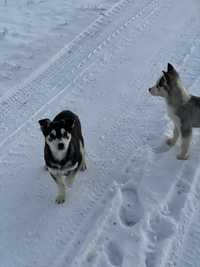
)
(52, 136)
(158, 88)
(65, 135)
(161, 82)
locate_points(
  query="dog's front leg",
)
(172, 141)
(83, 165)
(70, 179)
(186, 134)
(60, 181)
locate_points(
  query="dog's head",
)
(57, 135)
(165, 83)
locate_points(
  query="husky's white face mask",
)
(160, 88)
(57, 136)
(168, 83)
(58, 142)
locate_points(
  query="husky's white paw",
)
(182, 157)
(60, 199)
(83, 167)
(170, 142)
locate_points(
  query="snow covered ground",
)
(136, 205)
(31, 31)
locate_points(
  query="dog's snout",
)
(149, 90)
(61, 146)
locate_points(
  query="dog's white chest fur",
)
(65, 171)
(173, 116)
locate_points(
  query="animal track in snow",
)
(131, 210)
(159, 229)
(114, 254)
(182, 187)
(161, 226)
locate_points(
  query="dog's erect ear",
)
(44, 125)
(171, 70)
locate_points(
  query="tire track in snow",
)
(184, 53)
(95, 196)
(184, 58)
(75, 255)
(160, 221)
(191, 251)
(132, 19)
(73, 230)
(68, 255)
(189, 208)
(127, 215)
(98, 246)
(51, 80)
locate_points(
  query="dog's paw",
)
(83, 167)
(182, 157)
(60, 199)
(170, 142)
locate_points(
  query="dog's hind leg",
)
(185, 143)
(83, 165)
(172, 141)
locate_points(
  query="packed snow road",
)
(31, 31)
(135, 204)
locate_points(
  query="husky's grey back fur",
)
(177, 94)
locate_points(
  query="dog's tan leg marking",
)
(172, 141)
(60, 181)
(184, 148)
(83, 164)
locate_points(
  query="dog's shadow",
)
(162, 148)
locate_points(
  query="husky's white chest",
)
(65, 171)
(173, 116)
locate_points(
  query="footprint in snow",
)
(160, 228)
(114, 254)
(131, 210)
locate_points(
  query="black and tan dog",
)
(64, 151)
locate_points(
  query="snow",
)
(31, 31)
(136, 205)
